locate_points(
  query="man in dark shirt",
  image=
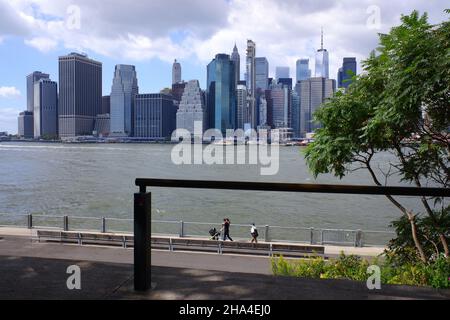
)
(226, 229)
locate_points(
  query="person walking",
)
(254, 233)
(226, 229)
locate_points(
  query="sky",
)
(151, 34)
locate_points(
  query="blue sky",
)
(33, 33)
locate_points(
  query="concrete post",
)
(30, 221)
(103, 225)
(66, 223)
(267, 236)
(142, 241)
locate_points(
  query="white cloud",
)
(197, 30)
(8, 119)
(9, 92)
(42, 44)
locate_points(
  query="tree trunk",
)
(410, 216)
(412, 221)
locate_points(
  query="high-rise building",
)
(191, 108)
(282, 72)
(295, 113)
(176, 72)
(262, 119)
(177, 91)
(26, 125)
(285, 82)
(45, 109)
(303, 71)
(124, 89)
(322, 61)
(313, 93)
(242, 106)
(346, 73)
(80, 94)
(251, 81)
(221, 93)
(281, 106)
(154, 117)
(106, 105)
(236, 58)
(102, 125)
(262, 73)
(31, 80)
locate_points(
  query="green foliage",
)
(401, 250)
(401, 105)
(435, 274)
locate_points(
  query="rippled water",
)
(98, 180)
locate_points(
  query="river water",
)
(97, 180)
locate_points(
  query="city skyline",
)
(33, 44)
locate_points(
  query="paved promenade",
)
(31, 270)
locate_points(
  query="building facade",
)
(303, 71)
(176, 72)
(262, 73)
(106, 105)
(313, 93)
(191, 108)
(281, 106)
(80, 94)
(45, 109)
(31, 80)
(322, 62)
(236, 58)
(123, 90)
(282, 72)
(242, 106)
(251, 81)
(346, 72)
(26, 125)
(221, 93)
(155, 116)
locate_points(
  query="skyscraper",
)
(251, 80)
(346, 73)
(262, 73)
(45, 109)
(282, 72)
(303, 71)
(236, 58)
(313, 93)
(191, 108)
(295, 119)
(124, 89)
(31, 80)
(242, 106)
(281, 106)
(221, 93)
(26, 125)
(322, 61)
(155, 116)
(80, 94)
(176, 72)
(106, 105)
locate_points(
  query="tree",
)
(401, 105)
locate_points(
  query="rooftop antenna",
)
(321, 39)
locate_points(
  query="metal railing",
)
(270, 233)
(143, 208)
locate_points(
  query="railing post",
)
(181, 233)
(103, 225)
(66, 223)
(142, 241)
(30, 221)
(358, 239)
(267, 236)
(311, 235)
(321, 237)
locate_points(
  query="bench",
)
(85, 238)
(184, 244)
